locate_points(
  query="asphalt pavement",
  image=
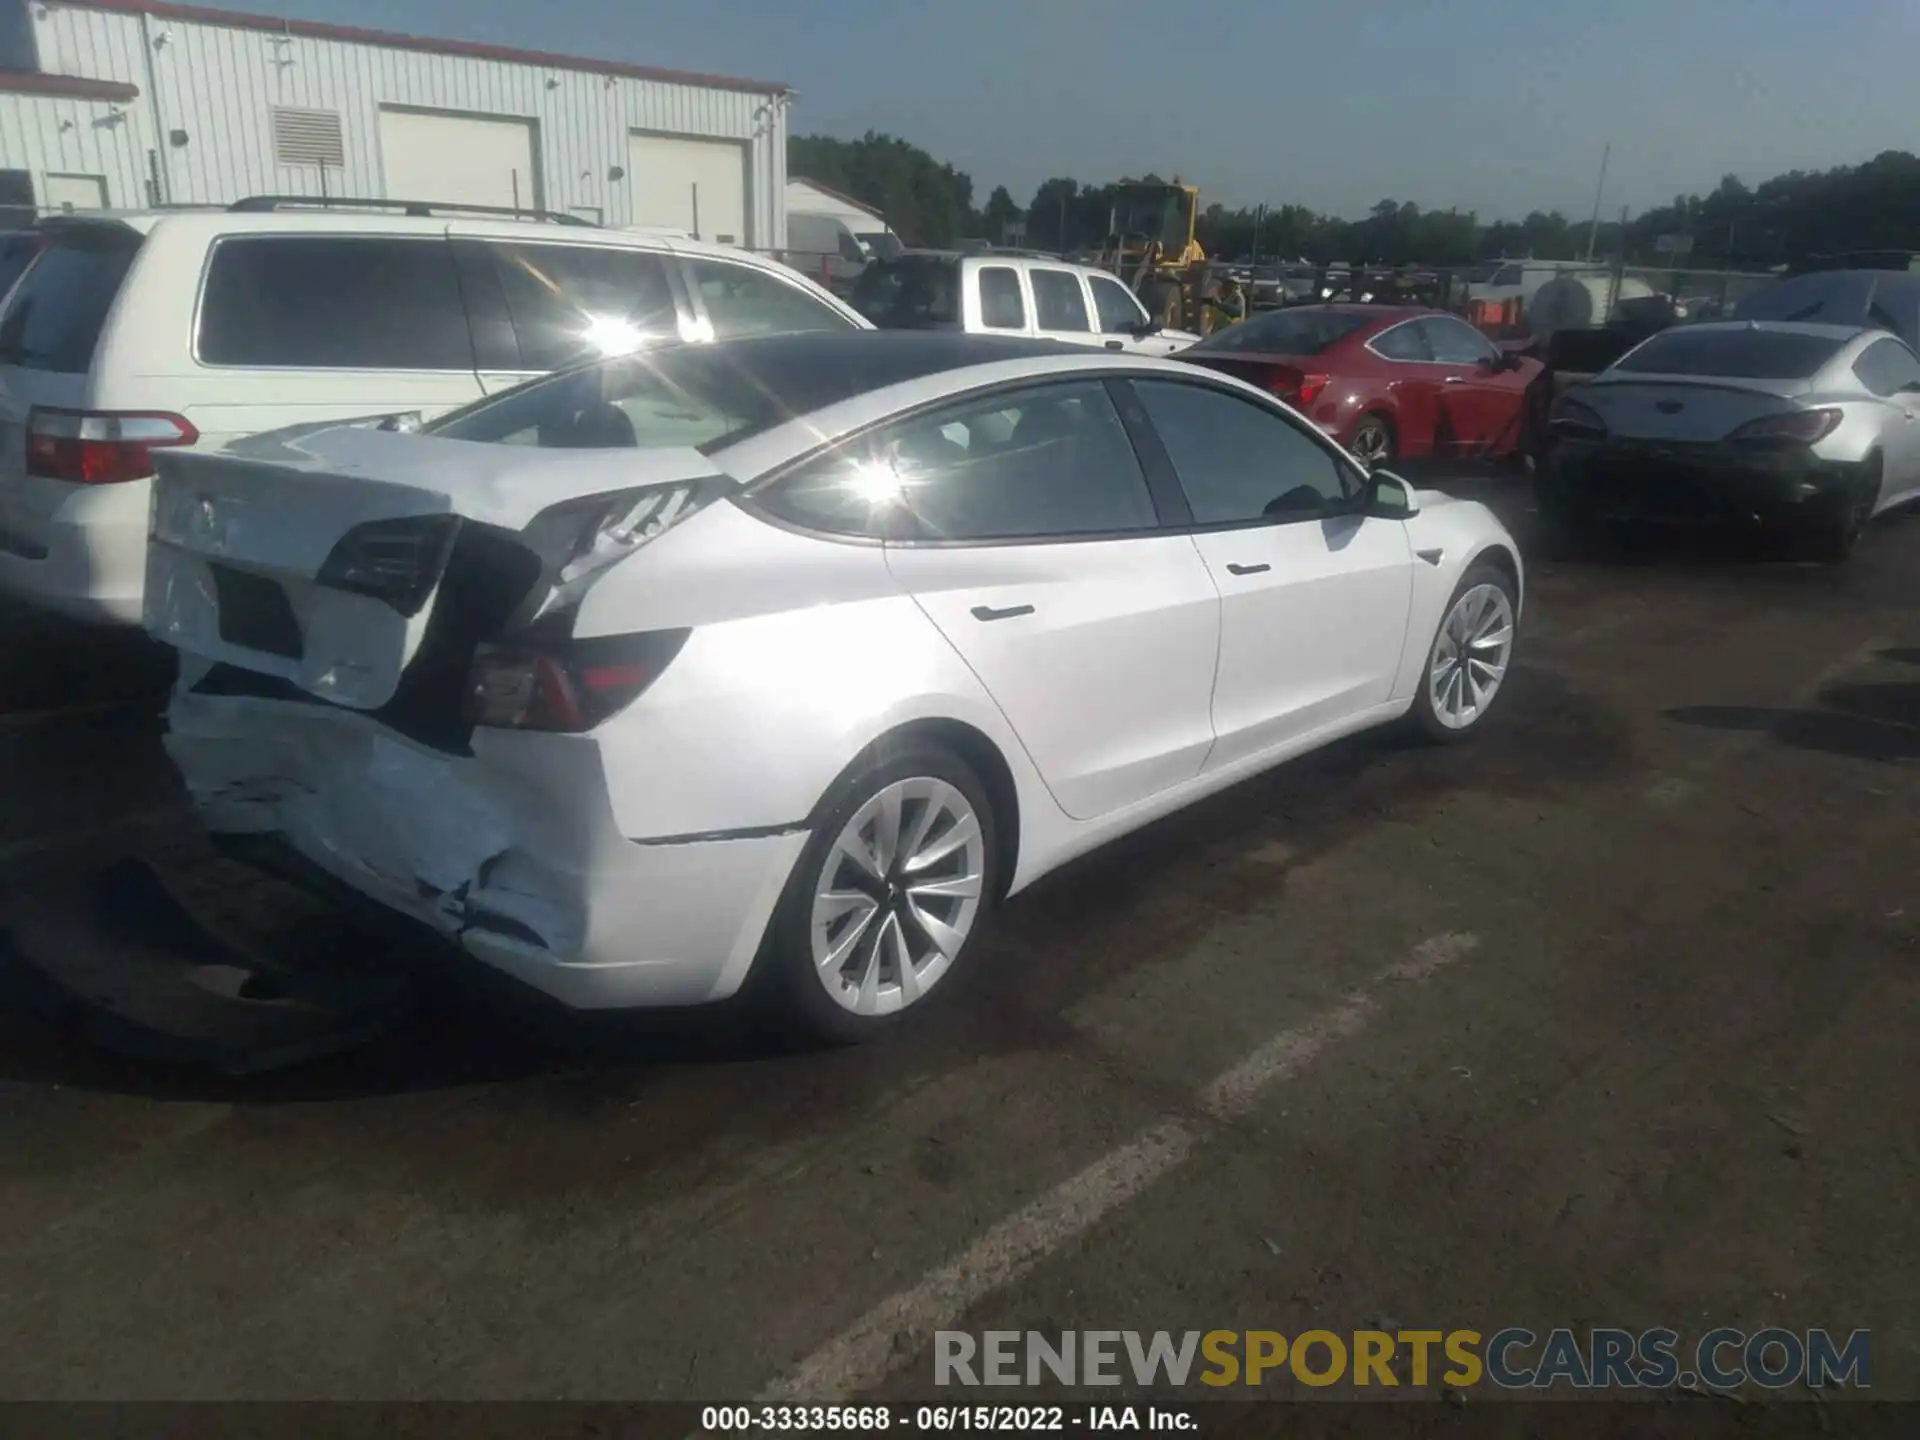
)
(1607, 1018)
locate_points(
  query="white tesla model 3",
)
(790, 655)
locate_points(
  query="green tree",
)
(925, 201)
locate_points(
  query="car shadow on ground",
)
(1879, 722)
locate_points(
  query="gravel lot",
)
(1608, 1019)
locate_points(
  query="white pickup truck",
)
(995, 293)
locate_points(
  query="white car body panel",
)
(639, 862)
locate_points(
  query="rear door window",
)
(1058, 301)
(1002, 307)
(568, 302)
(744, 300)
(1403, 342)
(333, 302)
(56, 313)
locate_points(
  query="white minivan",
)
(994, 293)
(131, 332)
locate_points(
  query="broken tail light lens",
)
(1576, 421)
(1795, 427)
(567, 688)
(577, 540)
(100, 447)
(399, 561)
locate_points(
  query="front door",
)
(1060, 306)
(1481, 402)
(1314, 595)
(1029, 537)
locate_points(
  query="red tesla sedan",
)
(1389, 382)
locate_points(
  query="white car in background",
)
(999, 293)
(790, 655)
(135, 332)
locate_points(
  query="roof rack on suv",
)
(265, 204)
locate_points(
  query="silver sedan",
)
(1816, 427)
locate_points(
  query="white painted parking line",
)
(891, 1333)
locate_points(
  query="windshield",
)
(911, 293)
(1286, 332)
(1159, 212)
(1733, 354)
(881, 244)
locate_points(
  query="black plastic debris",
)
(121, 959)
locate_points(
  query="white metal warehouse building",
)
(124, 104)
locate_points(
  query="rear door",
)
(1060, 309)
(300, 326)
(1003, 305)
(1027, 532)
(1314, 594)
(539, 305)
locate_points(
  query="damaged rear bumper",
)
(511, 852)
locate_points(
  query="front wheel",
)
(1372, 441)
(1467, 663)
(894, 883)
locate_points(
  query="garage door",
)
(462, 159)
(696, 185)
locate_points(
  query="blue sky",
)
(1499, 106)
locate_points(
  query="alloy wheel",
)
(897, 895)
(1470, 656)
(1371, 443)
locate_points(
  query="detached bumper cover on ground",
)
(120, 957)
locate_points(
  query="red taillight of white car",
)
(567, 688)
(100, 447)
(1795, 427)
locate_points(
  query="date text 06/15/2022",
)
(941, 1418)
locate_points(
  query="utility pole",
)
(1593, 228)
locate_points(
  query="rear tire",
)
(904, 853)
(1469, 659)
(1836, 526)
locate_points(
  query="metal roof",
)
(394, 40)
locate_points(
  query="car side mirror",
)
(1145, 328)
(1389, 497)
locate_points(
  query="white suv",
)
(136, 331)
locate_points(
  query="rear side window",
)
(1739, 354)
(741, 300)
(54, 319)
(571, 301)
(16, 253)
(333, 302)
(1052, 461)
(1002, 307)
(1454, 342)
(1887, 367)
(1057, 301)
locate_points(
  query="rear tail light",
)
(1310, 387)
(570, 687)
(1796, 427)
(399, 561)
(1576, 421)
(100, 447)
(1294, 387)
